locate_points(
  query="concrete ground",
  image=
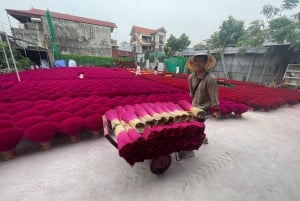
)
(252, 158)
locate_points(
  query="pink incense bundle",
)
(42, 133)
(94, 123)
(6, 123)
(120, 109)
(126, 146)
(129, 108)
(130, 118)
(59, 117)
(172, 116)
(194, 133)
(185, 116)
(29, 121)
(158, 133)
(144, 116)
(121, 135)
(153, 114)
(168, 118)
(172, 111)
(240, 109)
(195, 111)
(9, 138)
(113, 118)
(26, 113)
(72, 127)
(5, 116)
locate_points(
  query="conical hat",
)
(211, 62)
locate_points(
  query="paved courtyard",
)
(254, 158)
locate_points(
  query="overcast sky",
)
(197, 19)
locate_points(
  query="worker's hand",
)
(217, 114)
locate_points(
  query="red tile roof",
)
(38, 13)
(142, 30)
(121, 53)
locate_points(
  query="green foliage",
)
(2, 44)
(176, 44)
(94, 60)
(230, 32)
(216, 53)
(147, 54)
(168, 51)
(156, 55)
(53, 35)
(22, 62)
(215, 41)
(184, 41)
(289, 4)
(270, 11)
(254, 35)
(282, 29)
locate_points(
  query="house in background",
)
(144, 39)
(123, 50)
(125, 46)
(74, 35)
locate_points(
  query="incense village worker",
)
(203, 88)
(155, 68)
(177, 70)
(138, 70)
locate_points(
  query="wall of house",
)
(33, 33)
(264, 70)
(159, 39)
(261, 65)
(80, 38)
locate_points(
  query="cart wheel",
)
(160, 164)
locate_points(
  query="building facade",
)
(144, 39)
(74, 35)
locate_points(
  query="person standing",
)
(177, 70)
(138, 70)
(203, 86)
(155, 68)
(203, 89)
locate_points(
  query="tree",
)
(271, 11)
(21, 61)
(230, 32)
(289, 4)
(184, 42)
(167, 51)
(254, 36)
(176, 44)
(215, 41)
(281, 28)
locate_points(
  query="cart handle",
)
(107, 133)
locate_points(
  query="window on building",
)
(92, 32)
(161, 39)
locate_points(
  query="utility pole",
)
(12, 55)
(5, 54)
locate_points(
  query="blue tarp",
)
(60, 63)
